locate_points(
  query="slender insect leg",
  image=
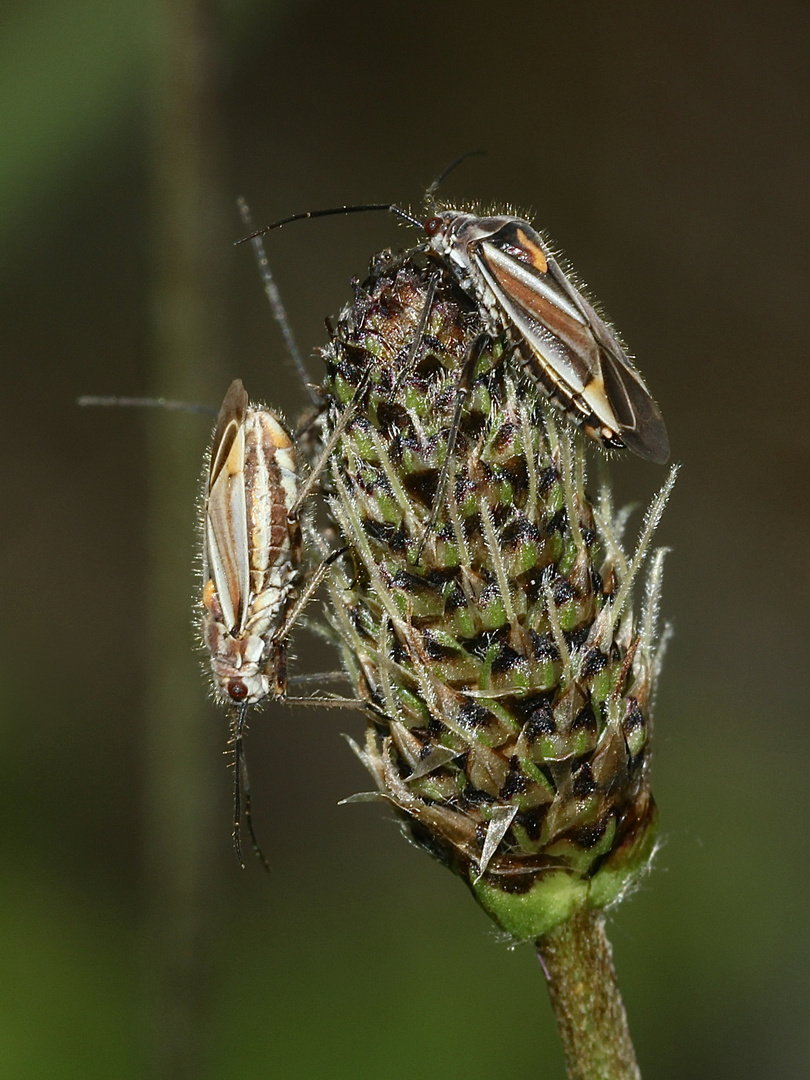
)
(279, 668)
(145, 403)
(241, 793)
(318, 678)
(334, 702)
(331, 443)
(462, 392)
(318, 574)
(419, 336)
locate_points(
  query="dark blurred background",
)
(665, 149)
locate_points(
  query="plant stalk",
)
(578, 964)
(182, 751)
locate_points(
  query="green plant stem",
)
(578, 964)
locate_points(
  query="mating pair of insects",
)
(254, 550)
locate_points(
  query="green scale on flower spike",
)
(485, 617)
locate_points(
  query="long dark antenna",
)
(433, 187)
(333, 211)
(276, 303)
(361, 208)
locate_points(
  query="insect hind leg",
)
(241, 792)
(462, 392)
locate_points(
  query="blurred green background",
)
(665, 148)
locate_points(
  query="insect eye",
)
(433, 225)
(237, 689)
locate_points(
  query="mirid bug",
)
(252, 553)
(253, 564)
(567, 348)
(521, 290)
(252, 549)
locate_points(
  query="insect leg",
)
(462, 393)
(241, 793)
(145, 403)
(309, 591)
(419, 335)
(320, 678)
(331, 443)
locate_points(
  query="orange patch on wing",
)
(539, 260)
(278, 436)
(211, 600)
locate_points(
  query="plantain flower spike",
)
(485, 609)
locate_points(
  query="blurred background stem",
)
(578, 964)
(189, 250)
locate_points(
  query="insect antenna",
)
(434, 186)
(276, 303)
(333, 211)
(145, 403)
(241, 792)
(361, 208)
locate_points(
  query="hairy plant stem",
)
(578, 964)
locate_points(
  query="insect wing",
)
(621, 389)
(576, 350)
(541, 312)
(226, 527)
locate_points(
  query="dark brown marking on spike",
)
(585, 720)
(594, 662)
(589, 836)
(583, 782)
(633, 718)
(563, 591)
(506, 660)
(544, 647)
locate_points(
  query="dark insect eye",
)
(433, 225)
(237, 690)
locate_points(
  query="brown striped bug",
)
(566, 347)
(252, 549)
(255, 578)
(510, 272)
(253, 564)
(252, 552)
